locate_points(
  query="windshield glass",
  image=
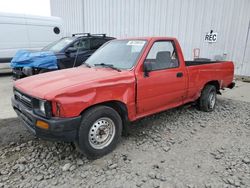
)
(121, 54)
(58, 45)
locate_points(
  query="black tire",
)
(89, 119)
(205, 102)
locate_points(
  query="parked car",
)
(121, 82)
(65, 53)
(20, 31)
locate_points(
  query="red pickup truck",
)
(121, 82)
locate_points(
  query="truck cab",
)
(123, 81)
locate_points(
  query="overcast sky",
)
(34, 7)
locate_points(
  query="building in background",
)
(214, 29)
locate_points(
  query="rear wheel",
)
(208, 98)
(99, 132)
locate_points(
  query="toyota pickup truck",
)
(123, 81)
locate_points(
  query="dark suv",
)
(67, 52)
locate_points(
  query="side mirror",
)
(147, 68)
(70, 50)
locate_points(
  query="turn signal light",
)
(42, 124)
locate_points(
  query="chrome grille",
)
(23, 98)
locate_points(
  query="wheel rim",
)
(212, 100)
(102, 133)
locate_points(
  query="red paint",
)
(76, 89)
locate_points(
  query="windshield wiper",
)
(108, 65)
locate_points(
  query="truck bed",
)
(200, 72)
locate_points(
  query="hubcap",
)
(102, 133)
(212, 100)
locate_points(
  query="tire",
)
(95, 120)
(208, 98)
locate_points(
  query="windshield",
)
(57, 46)
(121, 54)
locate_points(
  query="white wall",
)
(71, 11)
(187, 20)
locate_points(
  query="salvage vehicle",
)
(65, 53)
(123, 81)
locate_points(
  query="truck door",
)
(165, 86)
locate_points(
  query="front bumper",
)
(60, 129)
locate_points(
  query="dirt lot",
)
(179, 148)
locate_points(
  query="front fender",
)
(73, 103)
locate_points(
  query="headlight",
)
(42, 107)
(28, 71)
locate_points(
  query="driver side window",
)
(162, 55)
(81, 45)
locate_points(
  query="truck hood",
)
(49, 85)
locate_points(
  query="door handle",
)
(179, 74)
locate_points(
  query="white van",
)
(20, 31)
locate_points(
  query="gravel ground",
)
(178, 148)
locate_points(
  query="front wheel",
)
(208, 98)
(99, 132)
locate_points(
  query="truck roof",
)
(150, 38)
